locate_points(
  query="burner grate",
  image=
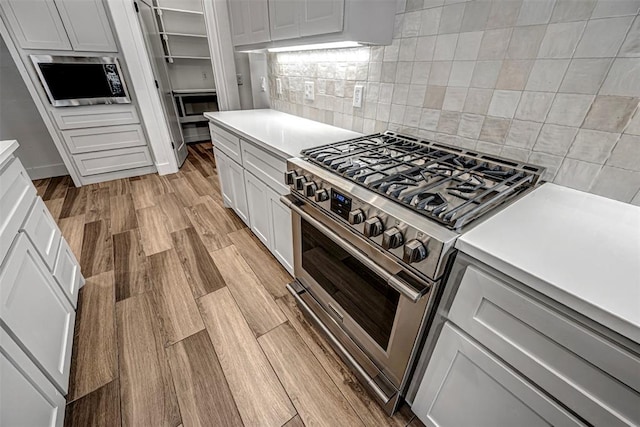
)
(449, 185)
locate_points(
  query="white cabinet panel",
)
(284, 19)
(43, 232)
(222, 164)
(87, 25)
(17, 193)
(265, 166)
(36, 312)
(249, 21)
(36, 24)
(590, 375)
(67, 273)
(322, 17)
(112, 160)
(258, 203)
(103, 138)
(236, 174)
(95, 116)
(226, 142)
(28, 397)
(465, 385)
(281, 230)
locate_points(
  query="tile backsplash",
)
(551, 82)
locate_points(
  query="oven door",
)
(372, 301)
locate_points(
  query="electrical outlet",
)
(240, 79)
(357, 95)
(279, 86)
(263, 84)
(309, 91)
(204, 75)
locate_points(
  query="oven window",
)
(362, 294)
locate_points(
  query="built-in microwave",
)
(81, 80)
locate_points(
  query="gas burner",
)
(470, 185)
(434, 203)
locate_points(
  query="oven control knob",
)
(289, 176)
(356, 216)
(392, 238)
(309, 188)
(322, 195)
(414, 251)
(373, 227)
(299, 182)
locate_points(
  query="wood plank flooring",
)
(185, 319)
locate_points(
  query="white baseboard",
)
(47, 171)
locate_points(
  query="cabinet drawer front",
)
(269, 168)
(43, 232)
(23, 386)
(67, 273)
(557, 353)
(112, 160)
(95, 116)
(104, 138)
(226, 142)
(465, 385)
(36, 312)
(17, 193)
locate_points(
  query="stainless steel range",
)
(375, 220)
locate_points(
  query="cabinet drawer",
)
(269, 168)
(226, 142)
(17, 193)
(95, 116)
(112, 160)
(465, 385)
(35, 311)
(589, 374)
(43, 232)
(103, 138)
(67, 273)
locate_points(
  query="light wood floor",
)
(185, 319)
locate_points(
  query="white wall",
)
(19, 119)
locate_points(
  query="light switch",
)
(263, 84)
(309, 90)
(357, 95)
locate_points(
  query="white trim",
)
(46, 171)
(133, 49)
(48, 122)
(216, 18)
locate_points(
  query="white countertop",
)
(579, 249)
(282, 134)
(7, 148)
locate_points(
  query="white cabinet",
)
(60, 24)
(465, 385)
(43, 232)
(249, 21)
(295, 22)
(281, 230)
(87, 25)
(258, 204)
(27, 396)
(35, 311)
(321, 17)
(232, 185)
(36, 24)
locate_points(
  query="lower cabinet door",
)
(28, 397)
(67, 273)
(43, 232)
(281, 230)
(222, 165)
(236, 173)
(35, 311)
(258, 203)
(465, 385)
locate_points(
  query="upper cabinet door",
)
(284, 19)
(36, 24)
(87, 25)
(249, 21)
(321, 17)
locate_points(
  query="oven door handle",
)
(392, 280)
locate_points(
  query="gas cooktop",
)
(449, 185)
